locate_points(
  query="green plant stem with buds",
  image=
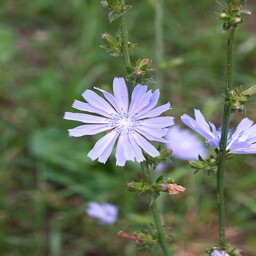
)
(124, 38)
(156, 213)
(144, 165)
(224, 135)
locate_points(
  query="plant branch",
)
(156, 213)
(224, 136)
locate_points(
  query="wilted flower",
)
(105, 213)
(242, 141)
(219, 253)
(173, 189)
(133, 237)
(133, 124)
(184, 144)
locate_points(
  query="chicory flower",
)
(105, 213)
(219, 253)
(184, 145)
(242, 141)
(132, 124)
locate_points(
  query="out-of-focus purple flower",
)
(105, 213)
(219, 253)
(242, 141)
(161, 167)
(132, 124)
(184, 144)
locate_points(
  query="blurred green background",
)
(49, 54)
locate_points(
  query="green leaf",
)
(159, 179)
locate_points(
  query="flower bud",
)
(111, 44)
(223, 15)
(237, 20)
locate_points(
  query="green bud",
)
(224, 16)
(197, 164)
(209, 165)
(111, 45)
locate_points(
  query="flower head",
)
(218, 253)
(184, 144)
(242, 141)
(130, 124)
(105, 213)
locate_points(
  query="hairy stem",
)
(224, 136)
(124, 38)
(156, 213)
(125, 48)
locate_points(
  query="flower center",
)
(123, 123)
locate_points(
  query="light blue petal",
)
(152, 133)
(158, 122)
(97, 101)
(85, 118)
(120, 159)
(243, 126)
(248, 150)
(102, 144)
(139, 98)
(89, 108)
(111, 99)
(121, 94)
(107, 152)
(151, 103)
(87, 129)
(201, 120)
(201, 128)
(155, 112)
(145, 145)
(128, 150)
(136, 149)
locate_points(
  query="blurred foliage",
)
(49, 54)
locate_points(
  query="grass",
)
(49, 54)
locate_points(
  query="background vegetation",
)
(49, 54)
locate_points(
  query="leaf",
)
(159, 179)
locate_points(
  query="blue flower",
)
(130, 124)
(105, 213)
(242, 141)
(219, 253)
(184, 144)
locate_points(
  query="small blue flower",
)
(242, 141)
(184, 144)
(105, 213)
(219, 253)
(130, 124)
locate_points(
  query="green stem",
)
(223, 141)
(156, 213)
(124, 38)
(125, 48)
(159, 6)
